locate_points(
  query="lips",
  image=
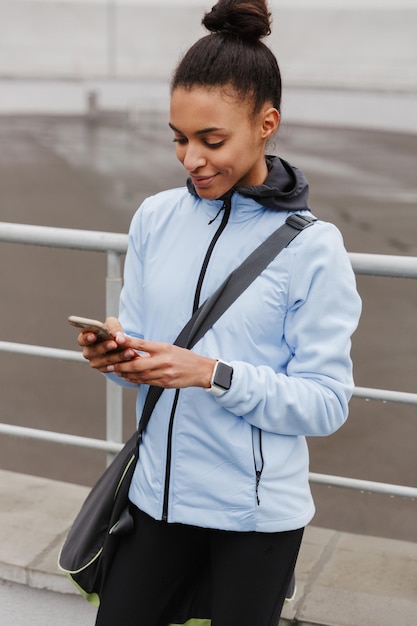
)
(202, 181)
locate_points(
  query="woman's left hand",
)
(164, 365)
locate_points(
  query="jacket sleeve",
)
(130, 307)
(131, 299)
(311, 396)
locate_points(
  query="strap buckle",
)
(300, 221)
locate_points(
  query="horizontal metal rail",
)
(388, 265)
(364, 486)
(372, 264)
(41, 351)
(63, 438)
(114, 245)
(385, 395)
(70, 238)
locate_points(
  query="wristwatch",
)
(221, 379)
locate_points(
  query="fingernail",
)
(110, 368)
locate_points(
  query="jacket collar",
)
(285, 188)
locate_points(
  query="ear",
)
(270, 122)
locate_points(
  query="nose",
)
(193, 157)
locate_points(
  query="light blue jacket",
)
(240, 461)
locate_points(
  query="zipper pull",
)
(258, 480)
(227, 205)
(217, 214)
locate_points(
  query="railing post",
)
(114, 393)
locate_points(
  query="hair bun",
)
(249, 20)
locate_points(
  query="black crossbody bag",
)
(104, 516)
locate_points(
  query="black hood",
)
(285, 189)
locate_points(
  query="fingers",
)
(151, 365)
(106, 363)
(148, 348)
(140, 367)
(115, 329)
(102, 353)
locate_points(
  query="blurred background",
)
(84, 98)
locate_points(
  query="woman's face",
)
(218, 139)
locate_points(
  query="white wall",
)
(369, 44)
(313, 4)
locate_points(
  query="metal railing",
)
(114, 246)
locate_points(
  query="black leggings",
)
(250, 573)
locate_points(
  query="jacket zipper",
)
(227, 204)
(169, 456)
(258, 458)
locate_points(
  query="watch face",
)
(223, 376)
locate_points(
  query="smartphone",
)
(93, 326)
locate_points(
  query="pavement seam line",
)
(317, 568)
(57, 542)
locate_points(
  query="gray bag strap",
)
(234, 285)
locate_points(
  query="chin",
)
(209, 194)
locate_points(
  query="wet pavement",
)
(68, 171)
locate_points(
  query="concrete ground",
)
(22, 604)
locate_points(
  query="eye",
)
(213, 146)
(180, 140)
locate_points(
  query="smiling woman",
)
(222, 476)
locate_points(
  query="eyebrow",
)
(203, 131)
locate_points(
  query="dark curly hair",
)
(233, 54)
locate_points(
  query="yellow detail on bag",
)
(194, 622)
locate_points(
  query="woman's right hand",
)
(105, 353)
